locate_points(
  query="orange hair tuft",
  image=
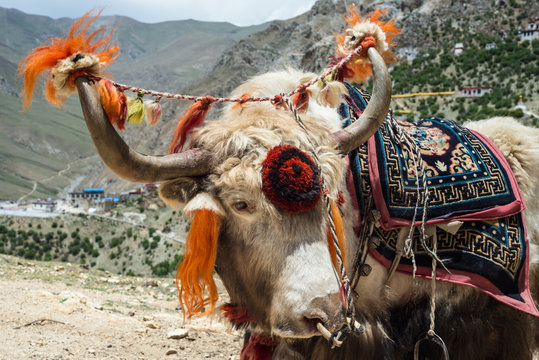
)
(193, 118)
(195, 274)
(341, 238)
(359, 69)
(56, 49)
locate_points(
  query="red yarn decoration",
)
(237, 315)
(259, 347)
(291, 179)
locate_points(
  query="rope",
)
(405, 138)
(431, 331)
(343, 280)
(276, 98)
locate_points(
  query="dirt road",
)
(63, 311)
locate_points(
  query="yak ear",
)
(178, 192)
(203, 201)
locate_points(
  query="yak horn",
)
(127, 163)
(359, 132)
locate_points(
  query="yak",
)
(338, 231)
(275, 262)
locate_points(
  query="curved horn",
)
(359, 132)
(127, 163)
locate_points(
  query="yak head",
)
(254, 184)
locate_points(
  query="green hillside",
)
(510, 68)
(37, 144)
(47, 148)
(122, 243)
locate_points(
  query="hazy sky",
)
(239, 12)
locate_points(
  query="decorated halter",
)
(291, 178)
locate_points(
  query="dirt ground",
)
(62, 311)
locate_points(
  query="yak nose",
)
(325, 309)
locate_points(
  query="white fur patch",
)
(65, 67)
(359, 31)
(534, 252)
(202, 201)
(307, 274)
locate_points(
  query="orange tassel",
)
(339, 229)
(47, 56)
(122, 99)
(109, 96)
(195, 273)
(193, 117)
(301, 100)
(244, 99)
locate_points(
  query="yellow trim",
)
(423, 94)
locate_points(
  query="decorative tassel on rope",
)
(135, 109)
(301, 100)
(153, 111)
(193, 117)
(331, 93)
(79, 53)
(114, 102)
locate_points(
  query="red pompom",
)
(291, 179)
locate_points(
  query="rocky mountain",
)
(45, 149)
(430, 29)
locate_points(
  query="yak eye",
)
(240, 206)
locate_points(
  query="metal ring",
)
(436, 339)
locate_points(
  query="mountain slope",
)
(44, 141)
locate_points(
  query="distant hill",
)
(37, 145)
(212, 58)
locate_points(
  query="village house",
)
(90, 193)
(458, 49)
(531, 32)
(475, 91)
(44, 205)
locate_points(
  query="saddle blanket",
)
(468, 181)
(467, 177)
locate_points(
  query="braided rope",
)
(403, 137)
(194, 98)
(431, 331)
(343, 279)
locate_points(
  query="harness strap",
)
(399, 252)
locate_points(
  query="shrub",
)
(145, 244)
(162, 268)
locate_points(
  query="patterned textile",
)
(467, 177)
(490, 250)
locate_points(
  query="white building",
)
(531, 32)
(475, 91)
(458, 49)
(43, 205)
